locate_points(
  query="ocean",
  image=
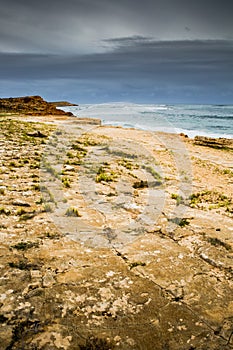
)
(204, 120)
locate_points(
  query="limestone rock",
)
(213, 142)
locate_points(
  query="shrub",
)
(72, 211)
(66, 182)
(5, 211)
(20, 211)
(105, 175)
(48, 208)
(180, 221)
(25, 245)
(179, 199)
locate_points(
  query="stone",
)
(213, 142)
(20, 203)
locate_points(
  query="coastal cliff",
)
(36, 106)
(30, 105)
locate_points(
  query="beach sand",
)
(113, 238)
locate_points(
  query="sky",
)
(95, 51)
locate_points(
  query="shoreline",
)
(164, 115)
(190, 133)
(98, 122)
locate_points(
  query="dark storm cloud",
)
(140, 68)
(115, 49)
(141, 58)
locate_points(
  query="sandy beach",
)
(113, 238)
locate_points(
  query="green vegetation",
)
(25, 245)
(74, 161)
(13, 163)
(212, 167)
(4, 211)
(182, 222)
(104, 177)
(72, 211)
(179, 199)
(19, 130)
(36, 187)
(227, 172)
(153, 172)
(217, 242)
(104, 174)
(66, 182)
(27, 216)
(89, 139)
(39, 201)
(35, 165)
(128, 164)
(78, 147)
(214, 199)
(120, 153)
(48, 208)
(75, 158)
(21, 211)
(70, 155)
(48, 167)
(47, 196)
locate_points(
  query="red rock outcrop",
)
(30, 105)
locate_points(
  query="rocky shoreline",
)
(113, 238)
(220, 143)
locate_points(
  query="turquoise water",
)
(206, 120)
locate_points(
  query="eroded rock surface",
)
(215, 143)
(113, 239)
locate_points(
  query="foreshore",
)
(113, 238)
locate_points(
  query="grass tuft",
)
(72, 211)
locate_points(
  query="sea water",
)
(205, 120)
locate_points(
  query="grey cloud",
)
(111, 49)
(128, 41)
(198, 62)
(75, 26)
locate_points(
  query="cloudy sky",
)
(90, 51)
